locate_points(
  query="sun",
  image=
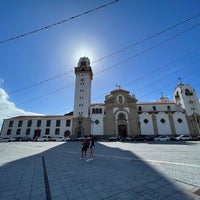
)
(85, 52)
(90, 48)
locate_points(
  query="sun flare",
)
(85, 52)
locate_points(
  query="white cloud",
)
(8, 108)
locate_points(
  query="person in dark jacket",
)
(84, 147)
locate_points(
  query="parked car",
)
(113, 138)
(172, 138)
(129, 138)
(67, 139)
(7, 139)
(80, 139)
(196, 138)
(184, 137)
(52, 138)
(44, 138)
(60, 139)
(162, 138)
(72, 139)
(22, 139)
(18, 139)
(142, 138)
(126, 139)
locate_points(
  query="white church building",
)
(121, 114)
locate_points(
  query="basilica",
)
(121, 114)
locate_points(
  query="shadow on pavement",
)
(113, 174)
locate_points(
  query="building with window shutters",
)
(121, 114)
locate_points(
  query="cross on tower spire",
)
(118, 87)
(180, 81)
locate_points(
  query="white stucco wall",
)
(97, 128)
(163, 128)
(34, 127)
(181, 128)
(146, 128)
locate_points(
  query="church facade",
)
(121, 114)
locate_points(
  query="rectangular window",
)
(68, 122)
(48, 123)
(47, 131)
(28, 130)
(29, 123)
(20, 123)
(18, 131)
(57, 131)
(11, 123)
(58, 122)
(9, 131)
(39, 123)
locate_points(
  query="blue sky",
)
(37, 71)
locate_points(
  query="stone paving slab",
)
(119, 171)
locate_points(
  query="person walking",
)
(91, 147)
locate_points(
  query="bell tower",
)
(82, 98)
(186, 97)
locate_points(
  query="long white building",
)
(120, 114)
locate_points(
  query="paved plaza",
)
(119, 171)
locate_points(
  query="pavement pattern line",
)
(47, 188)
(197, 186)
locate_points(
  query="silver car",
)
(162, 138)
(7, 139)
(184, 137)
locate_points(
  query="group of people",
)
(87, 143)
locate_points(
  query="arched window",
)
(100, 110)
(97, 111)
(168, 108)
(154, 108)
(188, 92)
(93, 111)
(140, 109)
(83, 63)
(177, 95)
